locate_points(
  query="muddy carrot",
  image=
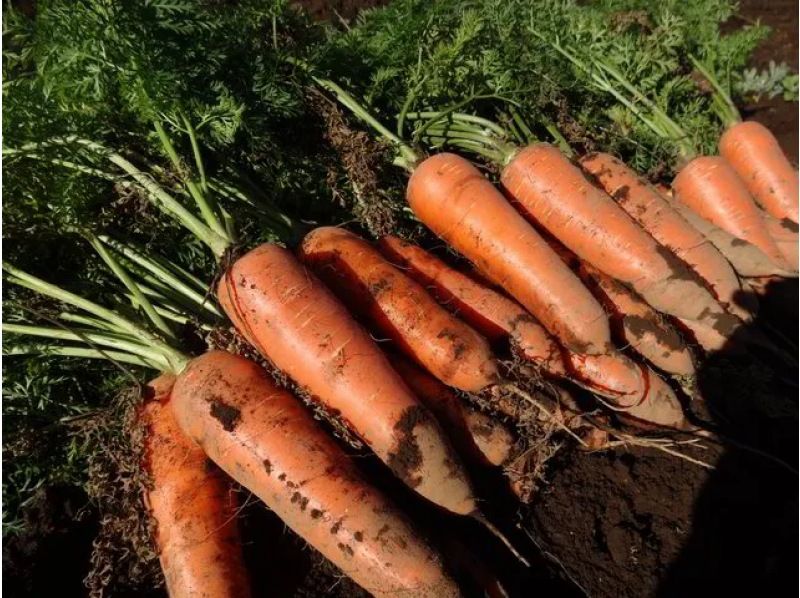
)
(264, 439)
(612, 375)
(784, 233)
(642, 328)
(193, 506)
(298, 324)
(399, 308)
(747, 259)
(474, 433)
(557, 196)
(651, 211)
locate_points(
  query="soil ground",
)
(614, 524)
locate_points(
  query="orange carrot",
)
(555, 194)
(747, 259)
(264, 439)
(752, 150)
(399, 308)
(193, 506)
(473, 433)
(641, 327)
(784, 233)
(296, 323)
(712, 189)
(612, 375)
(456, 202)
(654, 214)
(489, 312)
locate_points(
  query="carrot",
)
(493, 315)
(612, 375)
(654, 214)
(642, 328)
(473, 433)
(784, 233)
(747, 259)
(193, 506)
(264, 439)
(399, 308)
(712, 189)
(754, 153)
(296, 323)
(554, 193)
(457, 203)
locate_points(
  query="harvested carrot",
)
(642, 328)
(611, 375)
(264, 439)
(557, 196)
(747, 259)
(457, 203)
(473, 433)
(193, 506)
(399, 308)
(712, 189)
(496, 317)
(784, 233)
(297, 323)
(661, 407)
(654, 214)
(754, 153)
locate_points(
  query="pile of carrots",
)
(574, 263)
(582, 271)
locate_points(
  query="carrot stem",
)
(725, 108)
(123, 276)
(199, 197)
(83, 352)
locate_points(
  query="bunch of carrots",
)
(596, 283)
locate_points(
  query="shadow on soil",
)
(743, 538)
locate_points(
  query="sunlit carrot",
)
(651, 211)
(264, 439)
(300, 326)
(399, 308)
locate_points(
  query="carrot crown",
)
(161, 294)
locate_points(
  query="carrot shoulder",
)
(555, 194)
(752, 150)
(710, 187)
(193, 506)
(452, 198)
(399, 308)
(264, 439)
(654, 214)
(297, 323)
